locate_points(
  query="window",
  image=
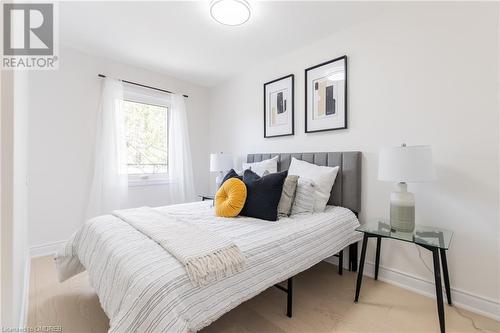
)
(146, 133)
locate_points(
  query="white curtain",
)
(180, 167)
(110, 180)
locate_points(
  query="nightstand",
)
(433, 239)
(206, 197)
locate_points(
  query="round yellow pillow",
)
(230, 198)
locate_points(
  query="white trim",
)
(484, 306)
(137, 94)
(147, 180)
(46, 249)
(23, 316)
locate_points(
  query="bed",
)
(142, 288)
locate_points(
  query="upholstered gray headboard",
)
(346, 191)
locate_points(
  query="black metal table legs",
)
(377, 257)
(361, 266)
(439, 289)
(436, 253)
(444, 263)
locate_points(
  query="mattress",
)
(142, 288)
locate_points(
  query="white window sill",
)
(147, 182)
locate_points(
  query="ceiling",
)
(182, 40)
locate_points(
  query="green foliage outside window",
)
(146, 135)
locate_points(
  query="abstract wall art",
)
(326, 96)
(278, 107)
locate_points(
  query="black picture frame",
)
(306, 81)
(292, 103)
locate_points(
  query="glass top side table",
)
(422, 235)
(434, 239)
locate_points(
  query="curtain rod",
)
(144, 86)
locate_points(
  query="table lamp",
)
(220, 163)
(405, 164)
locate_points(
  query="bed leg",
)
(353, 257)
(289, 295)
(341, 261)
(289, 298)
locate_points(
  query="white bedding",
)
(205, 255)
(142, 288)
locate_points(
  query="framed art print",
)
(278, 107)
(326, 96)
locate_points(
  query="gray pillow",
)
(287, 195)
(304, 197)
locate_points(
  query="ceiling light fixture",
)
(230, 12)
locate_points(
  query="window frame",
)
(134, 94)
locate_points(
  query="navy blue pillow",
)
(230, 174)
(263, 194)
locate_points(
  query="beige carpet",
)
(323, 302)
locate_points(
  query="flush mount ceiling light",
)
(230, 12)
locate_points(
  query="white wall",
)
(420, 74)
(14, 199)
(63, 106)
(498, 110)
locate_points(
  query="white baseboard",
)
(23, 316)
(46, 249)
(474, 303)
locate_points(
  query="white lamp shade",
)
(406, 164)
(221, 162)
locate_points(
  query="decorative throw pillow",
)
(270, 165)
(230, 198)
(287, 195)
(231, 174)
(322, 176)
(304, 197)
(263, 194)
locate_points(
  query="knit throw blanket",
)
(206, 255)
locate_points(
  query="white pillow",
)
(322, 176)
(304, 197)
(270, 165)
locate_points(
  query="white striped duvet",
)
(142, 288)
